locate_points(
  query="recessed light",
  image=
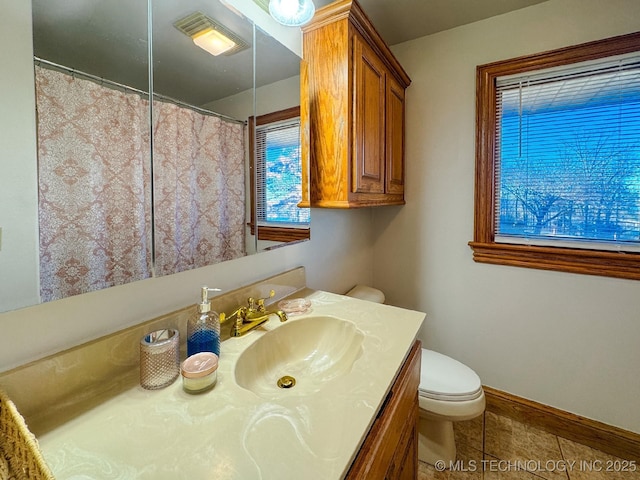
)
(213, 41)
(210, 35)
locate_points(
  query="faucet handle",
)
(257, 304)
(253, 304)
(240, 314)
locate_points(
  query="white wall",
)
(570, 341)
(269, 98)
(18, 193)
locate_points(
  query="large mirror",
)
(92, 81)
(202, 52)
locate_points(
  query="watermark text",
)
(496, 465)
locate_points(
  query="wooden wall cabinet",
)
(352, 112)
(390, 450)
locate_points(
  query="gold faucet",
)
(252, 316)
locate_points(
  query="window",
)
(277, 171)
(558, 160)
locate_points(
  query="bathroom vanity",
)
(350, 415)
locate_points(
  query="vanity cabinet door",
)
(390, 450)
(405, 460)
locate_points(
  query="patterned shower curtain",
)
(199, 188)
(94, 185)
(95, 189)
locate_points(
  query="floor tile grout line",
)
(527, 426)
(484, 429)
(567, 472)
(533, 475)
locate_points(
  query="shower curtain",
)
(95, 187)
(199, 189)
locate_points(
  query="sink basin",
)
(312, 350)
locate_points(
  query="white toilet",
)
(449, 391)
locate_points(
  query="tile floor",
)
(492, 447)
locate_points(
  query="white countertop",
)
(230, 432)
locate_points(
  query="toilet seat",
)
(446, 379)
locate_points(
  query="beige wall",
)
(571, 341)
(18, 195)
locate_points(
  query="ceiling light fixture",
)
(213, 41)
(292, 13)
(210, 35)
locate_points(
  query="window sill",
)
(283, 234)
(590, 262)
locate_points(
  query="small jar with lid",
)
(199, 372)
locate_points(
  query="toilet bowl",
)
(449, 391)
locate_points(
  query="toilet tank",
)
(363, 292)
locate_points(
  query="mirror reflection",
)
(276, 159)
(91, 78)
(103, 206)
(202, 51)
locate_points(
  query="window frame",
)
(485, 249)
(270, 232)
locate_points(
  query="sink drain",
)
(286, 382)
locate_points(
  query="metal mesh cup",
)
(159, 359)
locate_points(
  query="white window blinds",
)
(279, 174)
(567, 156)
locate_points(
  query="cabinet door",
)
(390, 449)
(368, 170)
(395, 137)
(404, 464)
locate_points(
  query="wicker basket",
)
(20, 457)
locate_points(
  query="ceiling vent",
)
(197, 23)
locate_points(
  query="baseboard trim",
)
(607, 438)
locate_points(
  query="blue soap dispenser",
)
(203, 329)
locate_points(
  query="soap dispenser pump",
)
(203, 329)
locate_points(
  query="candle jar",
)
(199, 372)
